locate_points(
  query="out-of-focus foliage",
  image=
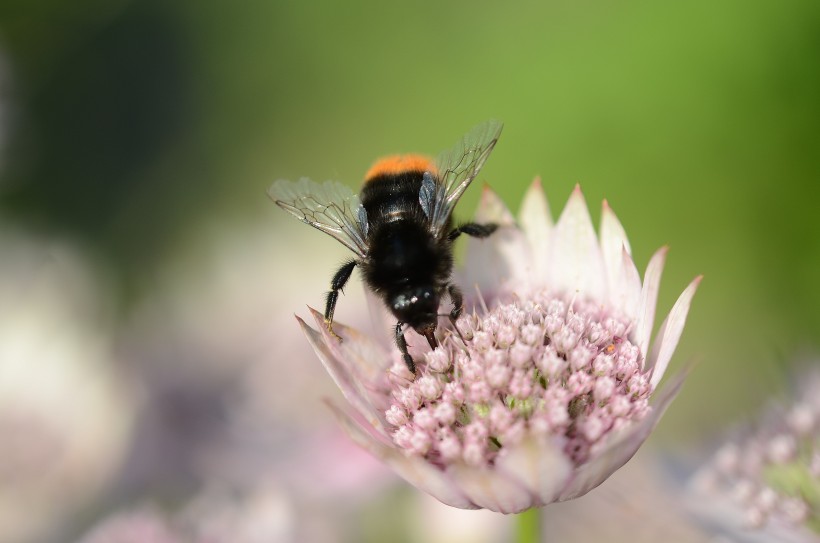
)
(142, 130)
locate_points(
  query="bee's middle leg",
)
(336, 284)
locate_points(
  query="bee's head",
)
(416, 306)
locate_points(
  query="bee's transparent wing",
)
(330, 206)
(456, 170)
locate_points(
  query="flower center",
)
(544, 365)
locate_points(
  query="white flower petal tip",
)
(350, 378)
(492, 209)
(613, 237)
(649, 299)
(575, 246)
(494, 264)
(670, 332)
(625, 287)
(535, 211)
(576, 199)
(536, 221)
(623, 281)
(548, 387)
(362, 355)
(341, 331)
(338, 372)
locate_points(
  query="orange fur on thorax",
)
(397, 164)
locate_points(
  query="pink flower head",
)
(541, 394)
(764, 485)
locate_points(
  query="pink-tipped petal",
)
(495, 263)
(613, 236)
(621, 447)
(363, 357)
(350, 387)
(629, 296)
(649, 299)
(670, 332)
(539, 465)
(576, 262)
(536, 221)
(489, 489)
(414, 470)
(614, 245)
(492, 209)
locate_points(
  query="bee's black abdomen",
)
(402, 252)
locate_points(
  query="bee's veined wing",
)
(456, 170)
(330, 206)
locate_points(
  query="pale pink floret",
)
(540, 397)
(764, 483)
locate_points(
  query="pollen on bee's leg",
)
(329, 325)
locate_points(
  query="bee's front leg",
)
(458, 306)
(402, 344)
(458, 302)
(336, 284)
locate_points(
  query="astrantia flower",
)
(544, 391)
(764, 485)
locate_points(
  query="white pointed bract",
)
(549, 391)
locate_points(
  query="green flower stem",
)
(528, 526)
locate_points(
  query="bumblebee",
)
(400, 228)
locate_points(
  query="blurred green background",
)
(138, 129)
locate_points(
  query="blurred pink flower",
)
(548, 395)
(215, 516)
(65, 411)
(203, 348)
(764, 484)
(136, 526)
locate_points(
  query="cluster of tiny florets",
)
(546, 365)
(773, 472)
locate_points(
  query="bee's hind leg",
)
(336, 284)
(473, 229)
